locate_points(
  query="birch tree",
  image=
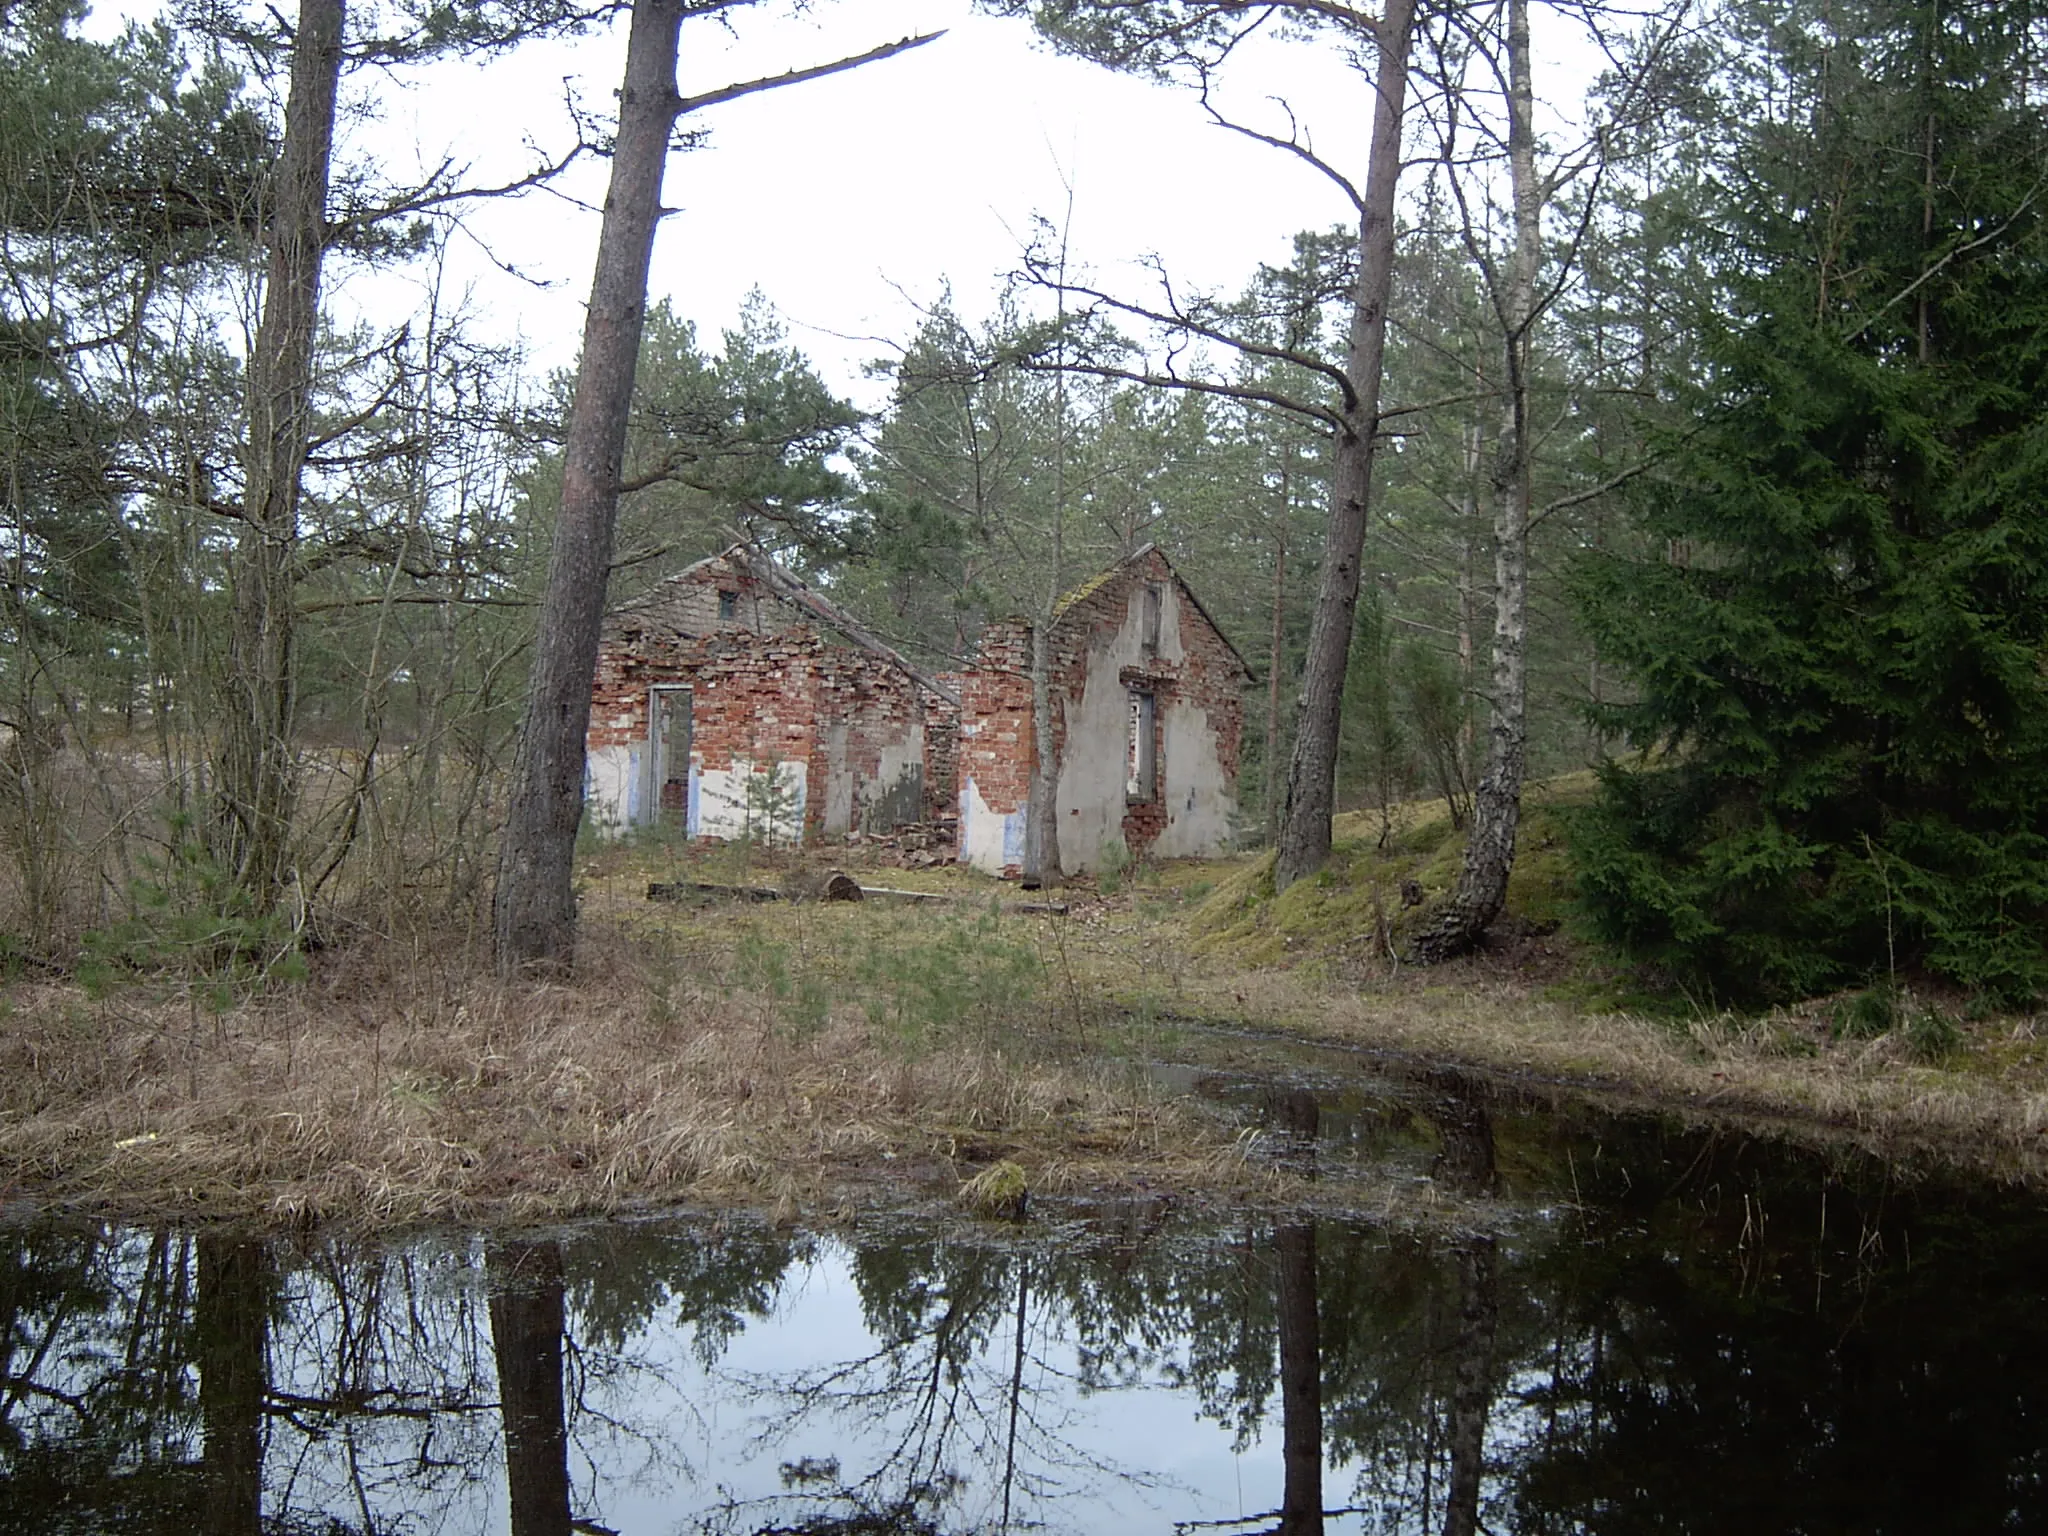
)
(1522, 275)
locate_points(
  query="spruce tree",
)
(1839, 643)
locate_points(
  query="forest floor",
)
(813, 1058)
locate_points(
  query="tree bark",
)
(534, 915)
(1482, 888)
(1304, 842)
(256, 778)
(1276, 660)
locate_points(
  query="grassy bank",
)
(1905, 1072)
(396, 1084)
(812, 1057)
(1912, 1077)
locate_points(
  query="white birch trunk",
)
(1496, 806)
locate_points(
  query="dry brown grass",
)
(814, 1059)
(1537, 1008)
(400, 1086)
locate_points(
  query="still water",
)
(1574, 1323)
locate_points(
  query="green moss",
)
(1359, 891)
(1425, 837)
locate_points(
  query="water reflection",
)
(1715, 1338)
(528, 1318)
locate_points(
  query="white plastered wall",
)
(1193, 788)
(1199, 803)
(848, 794)
(895, 763)
(1093, 765)
(839, 782)
(739, 801)
(989, 840)
(611, 789)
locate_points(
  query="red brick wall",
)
(774, 698)
(995, 718)
(627, 664)
(942, 751)
(755, 697)
(662, 636)
(996, 740)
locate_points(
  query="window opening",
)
(728, 607)
(1155, 601)
(1142, 779)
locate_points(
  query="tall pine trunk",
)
(534, 912)
(1304, 841)
(1276, 660)
(1482, 888)
(256, 775)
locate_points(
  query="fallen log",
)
(682, 890)
(839, 888)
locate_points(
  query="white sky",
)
(852, 200)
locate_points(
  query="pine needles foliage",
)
(1837, 623)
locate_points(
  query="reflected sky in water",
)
(1708, 1336)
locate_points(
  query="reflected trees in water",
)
(237, 1292)
(1704, 1340)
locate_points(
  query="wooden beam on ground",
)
(683, 890)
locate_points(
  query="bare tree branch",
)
(1175, 318)
(1292, 144)
(688, 104)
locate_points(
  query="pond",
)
(1565, 1322)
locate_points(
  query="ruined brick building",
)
(1148, 720)
(736, 700)
(722, 699)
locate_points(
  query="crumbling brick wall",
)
(995, 749)
(628, 663)
(1134, 630)
(753, 734)
(942, 751)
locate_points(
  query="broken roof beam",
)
(791, 590)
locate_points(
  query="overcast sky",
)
(853, 200)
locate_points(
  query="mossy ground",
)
(1211, 943)
(1360, 909)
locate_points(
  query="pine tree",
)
(1841, 655)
